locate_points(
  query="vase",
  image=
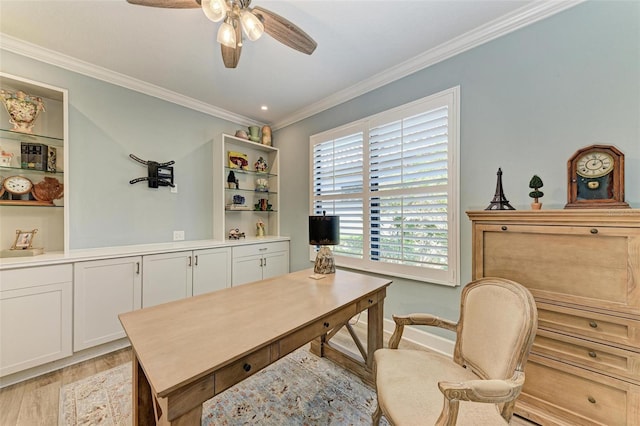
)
(254, 133)
(266, 135)
(23, 109)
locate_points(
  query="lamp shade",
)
(324, 230)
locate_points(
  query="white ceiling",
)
(172, 53)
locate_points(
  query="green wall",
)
(529, 100)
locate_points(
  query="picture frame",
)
(24, 239)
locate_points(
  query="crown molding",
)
(30, 50)
(513, 21)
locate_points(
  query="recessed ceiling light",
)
(264, 107)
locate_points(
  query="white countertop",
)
(54, 258)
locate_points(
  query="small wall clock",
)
(596, 178)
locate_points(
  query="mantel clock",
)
(596, 178)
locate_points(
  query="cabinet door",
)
(246, 269)
(211, 270)
(166, 277)
(275, 264)
(35, 316)
(103, 289)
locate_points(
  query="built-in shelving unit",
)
(251, 194)
(25, 212)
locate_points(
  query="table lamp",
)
(324, 231)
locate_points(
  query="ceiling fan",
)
(238, 16)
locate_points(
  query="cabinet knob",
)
(504, 228)
(593, 231)
(592, 400)
(593, 324)
(370, 301)
(592, 354)
(326, 325)
(246, 367)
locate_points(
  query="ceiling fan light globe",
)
(215, 10)
(227, 35)
(252, 26)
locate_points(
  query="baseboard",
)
(65, 362)
(416, 336)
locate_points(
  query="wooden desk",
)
(187, 351)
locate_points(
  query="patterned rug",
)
(300, 389)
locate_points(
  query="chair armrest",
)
(487, 391)
(417, 319)
(490, 391)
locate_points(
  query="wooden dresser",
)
(583, 268)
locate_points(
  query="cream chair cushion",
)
(407, 380)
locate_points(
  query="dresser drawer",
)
(596, 266)
(590, 325)
(310, 332)
(241, 369)
(601, 358)
(557, 393)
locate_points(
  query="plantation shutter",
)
(408, 167)
(338, 189)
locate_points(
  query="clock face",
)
(594, 164)
(17, 185)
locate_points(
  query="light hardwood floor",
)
(35, 402)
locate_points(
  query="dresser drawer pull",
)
(592, 400)
(326, 325)
(592, 354)
(593, 324)
(370, 301)
(246, 367)
(593, 231)
(504, 228)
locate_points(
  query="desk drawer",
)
(241, 369)
(601, 358)
(571, 395)
(590, 325)
(371, 300)
(310, 332)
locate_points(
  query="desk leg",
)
(142, 403)
(375, 327)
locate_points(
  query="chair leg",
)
(375, 418)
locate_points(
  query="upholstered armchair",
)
(479, 386)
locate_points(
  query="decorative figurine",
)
(232, 181)
(235, 234)
(262, 185)
(242, 134)
(535, 184)
(266, 135)
(499, 201)
(261, 165)
(260, 228)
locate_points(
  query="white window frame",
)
(450, 276)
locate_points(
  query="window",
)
(393, 180)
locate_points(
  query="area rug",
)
(300, 389)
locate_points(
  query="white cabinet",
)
(103, 289)
(40, 157)
(173, 276)
(212, 270)
(252, 196)
(256, 262)
(35, 316)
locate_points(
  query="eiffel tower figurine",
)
(499, 201)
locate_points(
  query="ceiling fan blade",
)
(230, 55)
(171, 4)
(285, 32)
